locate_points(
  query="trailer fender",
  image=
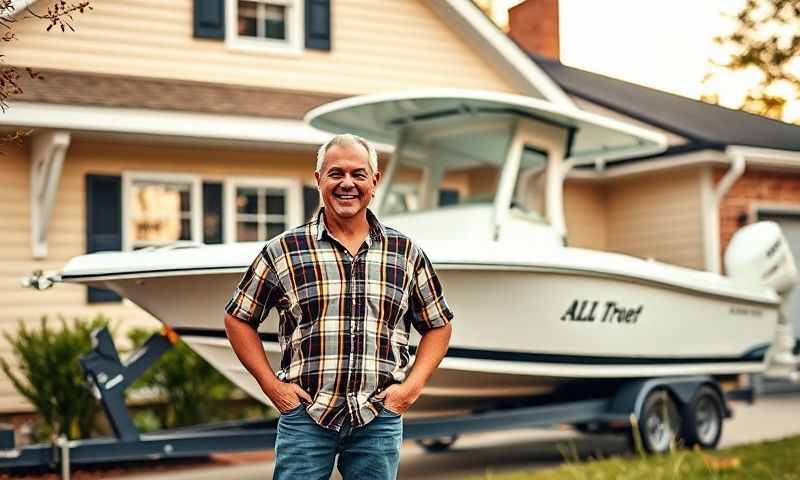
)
(631, 396)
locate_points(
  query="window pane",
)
(186, 229)
(275, 202)
(275, 21)
(247, 200)
(247, 231)
(186, 205)
(247, 18)
(155, 216)
(274, 229)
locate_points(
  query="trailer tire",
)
(439, 444)
(659, 422)
(703, 419)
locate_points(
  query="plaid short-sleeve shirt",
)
(344, 320)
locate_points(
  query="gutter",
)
(739, 157)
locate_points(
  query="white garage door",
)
(791, 228)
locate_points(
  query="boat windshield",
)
(420, 184)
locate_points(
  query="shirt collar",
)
(376, 229)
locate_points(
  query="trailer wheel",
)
(659, 422)
(439, 444)
(703, 419)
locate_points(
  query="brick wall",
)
(533, 24)
(778, 188)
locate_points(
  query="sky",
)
(664, 44)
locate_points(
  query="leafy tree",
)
(766, 37)
(60, 15)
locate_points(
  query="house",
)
(181, 121)
(723, 169)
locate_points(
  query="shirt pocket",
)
(387, 300)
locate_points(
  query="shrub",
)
(48, 374)
(192, 389)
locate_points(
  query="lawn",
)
(775, 460)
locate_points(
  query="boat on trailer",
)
(476, 178)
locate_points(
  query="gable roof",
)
(491, 43)
(703, 124)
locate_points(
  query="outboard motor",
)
(759, 255)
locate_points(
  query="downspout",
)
(712, 240)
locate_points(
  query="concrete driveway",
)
(772, 417)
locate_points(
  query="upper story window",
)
(265, 25)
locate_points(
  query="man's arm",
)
(248, 348)
(432, 348)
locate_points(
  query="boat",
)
(476, 178)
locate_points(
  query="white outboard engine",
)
(759, 255)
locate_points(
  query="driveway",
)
(772, 417)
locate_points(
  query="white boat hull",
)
(518, 332)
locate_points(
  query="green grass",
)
(776, 460)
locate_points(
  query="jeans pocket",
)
(294, 410)
(389, 412)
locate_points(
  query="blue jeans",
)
(306, 451)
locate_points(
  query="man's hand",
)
(399, 397)
(286, 396)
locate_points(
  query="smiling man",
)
(347, 290)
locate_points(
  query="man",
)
(347, 290)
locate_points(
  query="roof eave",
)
(499, 51)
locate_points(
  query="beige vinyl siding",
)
(585, 212)
(657, 216)
(67, 237)
(376, 46)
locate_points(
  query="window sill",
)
(263, 47)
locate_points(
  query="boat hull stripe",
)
(754, 355)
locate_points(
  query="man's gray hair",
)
(348, 140)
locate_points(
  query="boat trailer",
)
(633, 402)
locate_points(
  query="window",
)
(261, 209)
(265, 25)
(159, 209)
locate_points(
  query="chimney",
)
(533, 24)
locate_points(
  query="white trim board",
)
(162, 123)
(499, 51)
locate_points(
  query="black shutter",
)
(103, 223)
(310, 201)
(212, 212)
(318, 24)
(209, 18)
(448, 197)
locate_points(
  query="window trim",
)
(294, 201)
(295, 26)
(196, 201)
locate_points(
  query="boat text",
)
(605, 312)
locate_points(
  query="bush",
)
(192, 389)
(51, 378)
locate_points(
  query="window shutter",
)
(448, 197)
(310, 201)
(209, 19)
(103, 223)
(212, 212)
(318, 24)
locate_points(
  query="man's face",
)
(346, 180)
